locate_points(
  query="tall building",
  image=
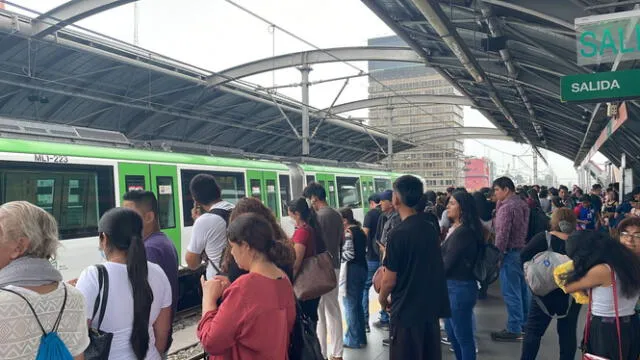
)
(441, 164)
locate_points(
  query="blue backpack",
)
(51, 346)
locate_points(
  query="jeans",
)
(355, 334)
(537, 325)
(515, 291)
(460, 326)
(372, 266)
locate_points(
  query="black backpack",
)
(538, 222)
(486, 269)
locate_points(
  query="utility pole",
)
(390, 137)
(535, 168)
(136, 20)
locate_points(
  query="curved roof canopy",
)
(88, 80)
(516, 83)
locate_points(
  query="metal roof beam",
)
(358, 53)
(70, 12)
(397, 100)
(532, 12)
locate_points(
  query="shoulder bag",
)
(585, 346)
(317, 276)
(100, 341)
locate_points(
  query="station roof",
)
(516, 84)
(78, 78)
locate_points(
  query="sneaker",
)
(386, 342)
(367, 328)
(444, 340)
(381, 325)
(506, 336)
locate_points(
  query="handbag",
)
(316, 277)
(585, 354)
(100, 341)
(303, 341)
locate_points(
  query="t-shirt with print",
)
(304, 236)
(587, 214)
(371, 222)
(332, 230)
(119, 312)
(413, 253)
(209, 234)
(20, 333)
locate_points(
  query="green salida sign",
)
(600, 87)
(603, 38)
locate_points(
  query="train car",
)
(78, 183)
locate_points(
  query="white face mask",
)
(309, 203)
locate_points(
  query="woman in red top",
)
(305, 240)
(258, 312)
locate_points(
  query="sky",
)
(215, 35)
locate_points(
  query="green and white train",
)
(78, 183)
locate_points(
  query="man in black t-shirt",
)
(414, 277)
(370, 227)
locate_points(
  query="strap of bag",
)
(615, 306)
(547, 234)
(587, 326)
(103, 294)
(35, 315)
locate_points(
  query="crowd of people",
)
(419, 250)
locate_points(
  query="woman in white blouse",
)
(28, 240)
(138, 310)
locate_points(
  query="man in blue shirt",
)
(160, 250)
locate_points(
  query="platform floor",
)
(490, 316)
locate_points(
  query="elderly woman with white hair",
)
(33, 298)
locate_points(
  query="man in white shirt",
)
(209, 233)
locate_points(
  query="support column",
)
(305, 70)
(136, 22)
(390, 137)
(535, 168)
(623, 165)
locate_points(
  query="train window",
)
(349, 192)
(310, 179)
(285, 192)
(134, 182)
(166, 208)
(382, 185)
(255, 189)
(332, 193)
(231, 184)
(76, 195)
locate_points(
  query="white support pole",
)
(390, 137)
(136, 21)
(623, 165)
(535, 168)
(305, 70)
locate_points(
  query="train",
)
(77, 183)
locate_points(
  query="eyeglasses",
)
(635, 236)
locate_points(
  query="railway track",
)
(190, 352)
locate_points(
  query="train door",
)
(161, 180)
(367, 190)
(263, 185)
(328, 182)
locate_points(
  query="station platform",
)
(490, 316)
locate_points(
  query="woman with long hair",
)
(307, 242)
(253, 205)
(460, 251)
(258, 312)
(138, 310)
(354, 270)
(599, 261)
(563, 223)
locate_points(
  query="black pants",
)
(417, 342)
(537, 324)
(310, 308)
(603, 338)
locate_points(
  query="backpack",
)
(51, 346)
(538, 272)
(303, 340)
(224, 214)
(486, 269)
(538, 222)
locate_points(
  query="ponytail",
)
(142, 296)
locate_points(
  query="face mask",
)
(104, 257)
(309, 203)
